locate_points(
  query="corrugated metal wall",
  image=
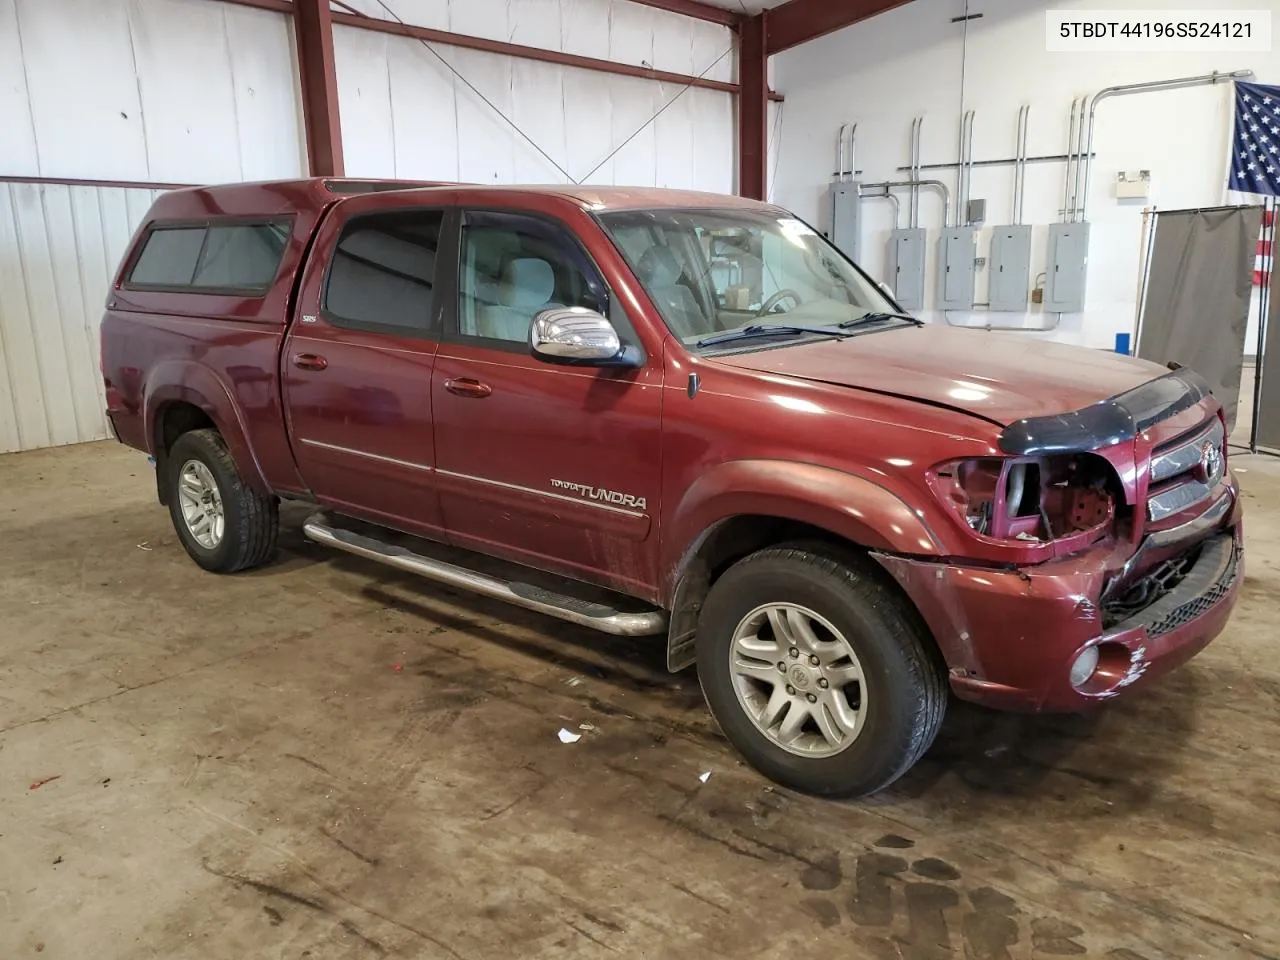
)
(175, 91)
(194, 91)
(183, 91)
(59, 247)
(405, 113)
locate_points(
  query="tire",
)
(898, 702)
(250, 521)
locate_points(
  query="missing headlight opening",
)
(1030, 499)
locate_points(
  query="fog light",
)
(1084, 666)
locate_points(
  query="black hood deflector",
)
(1108, 422)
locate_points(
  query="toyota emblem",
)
(1211, 463)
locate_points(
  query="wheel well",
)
(720, 548)
(172, 421)
(728, 542)
(176, 418)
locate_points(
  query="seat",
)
(527, 286)
(660, 273)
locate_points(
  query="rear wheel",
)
(818, 672)
(224, 524)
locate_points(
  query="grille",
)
(1159, 582)
(1176, 483)
(1177, 591)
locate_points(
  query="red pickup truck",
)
(691, 416)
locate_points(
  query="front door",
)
(553, 466)
(357, 364)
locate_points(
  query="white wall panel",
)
(426, 131)
(606, 29)
(83, 87)
(184, 91)
(59, 247)
(538, 103)
(364, 101)
(182, 60)
(536, 23)
(588, 110)
(486, 143)
(406, 114)
(270, 138)
(18, 145)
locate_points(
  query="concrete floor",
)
(324, 760)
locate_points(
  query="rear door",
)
(357, 365)
(553, 466)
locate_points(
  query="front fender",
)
(850, 506)
(190, 382)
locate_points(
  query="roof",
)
(287, 196)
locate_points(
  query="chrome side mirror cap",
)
(578, 336)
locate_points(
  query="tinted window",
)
(383, 271)
(243, 256)
(514, 267)
(169, 257)
(232, 256)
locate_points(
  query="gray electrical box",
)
(1066, 267)
(956, 251)
(846, 218)
(906, 267)
(1010, 276)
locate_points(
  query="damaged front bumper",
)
(1012, 636)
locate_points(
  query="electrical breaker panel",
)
(956, 252)
(1066, 267)
(906, 267)
(1010, 279)
(846, 218)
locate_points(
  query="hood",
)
(1000, 377)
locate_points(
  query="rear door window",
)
(383, 273)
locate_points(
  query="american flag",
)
(1255, 159)
(1255, 147)
(1262, 261)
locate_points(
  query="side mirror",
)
(887, 289)
(577, 336)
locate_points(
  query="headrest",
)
(659, 267)
(527, 283)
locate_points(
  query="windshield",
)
(717, 271)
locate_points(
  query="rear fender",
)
(194, 383)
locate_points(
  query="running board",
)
(597, 616)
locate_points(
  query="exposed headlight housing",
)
(1028, 499)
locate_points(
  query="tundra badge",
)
(588, 492)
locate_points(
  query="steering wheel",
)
(787, 294)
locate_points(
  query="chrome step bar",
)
(597, 616)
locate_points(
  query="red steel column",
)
(753, 109)
(313, 26)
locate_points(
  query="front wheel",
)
(224, 524)
(818, 672)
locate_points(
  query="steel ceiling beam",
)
(697, 10)
(313, 27)
(361, 22)
(800, 21)
(753, 108)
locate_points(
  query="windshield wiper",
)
(877, 317)
(767, 330)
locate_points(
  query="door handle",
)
(466, 387)
(309, 361)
